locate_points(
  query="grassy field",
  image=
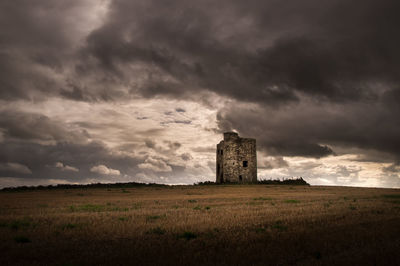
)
(183, 225)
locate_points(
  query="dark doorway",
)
(245, 163)
(240, 178)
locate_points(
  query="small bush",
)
(392, 196)
(151, 218)
(68, 226)
(188, 235)
(192, 201)
(123, 218)
(260, 230)
(317, 255)
(197, 208)
(17, 224)
(207, 207)
(22, 239)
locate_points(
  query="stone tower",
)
(236, 159)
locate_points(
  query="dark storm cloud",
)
(37, 128)
(36, 42)
(314, 130)
(261, 51)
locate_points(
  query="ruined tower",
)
(236, 159)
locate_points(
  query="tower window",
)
(222, 152)
(245, 163)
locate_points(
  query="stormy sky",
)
(141, 91)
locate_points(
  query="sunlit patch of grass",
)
(118, 209)
(292, 201)
(68, 226)
(328, 204)
(87, 208)
(262, 198)
(252, 203)
(392, 198)
(136, 206)
(278, 225)
(260, 230)
(157, 231)
(152, 218)
(20, 223)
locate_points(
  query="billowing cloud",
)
(104, 170)
(63, 167)
(15, 168)
(156, 165)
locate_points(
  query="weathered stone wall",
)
(236, 159)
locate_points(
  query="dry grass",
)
(232, 224)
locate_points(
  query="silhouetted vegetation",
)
(295, 182)
(124, 186)
(289, 181)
